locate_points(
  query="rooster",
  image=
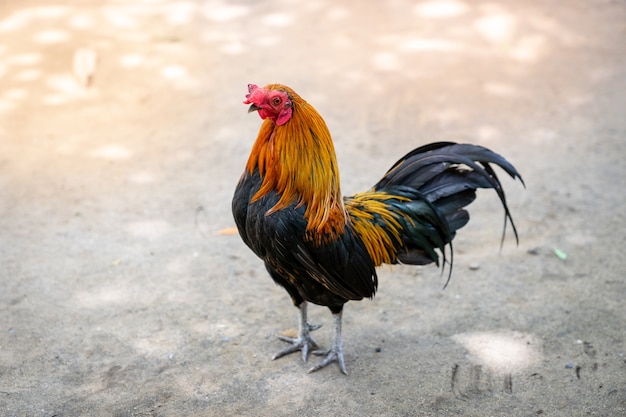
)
(323, 248)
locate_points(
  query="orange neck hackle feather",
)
(297, 161)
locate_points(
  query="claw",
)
(304, 341)
(335, 354)
(331, 356)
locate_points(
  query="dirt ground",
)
(123, 292)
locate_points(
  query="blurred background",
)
(124, 291)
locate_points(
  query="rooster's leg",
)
(336, 351)
(304, 341)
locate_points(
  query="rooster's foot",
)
(333, 355)
(304, 342)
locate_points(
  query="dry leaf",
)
(228, 231)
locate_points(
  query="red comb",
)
(255, 94)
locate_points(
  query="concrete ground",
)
(124, 292)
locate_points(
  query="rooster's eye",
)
(276, 101)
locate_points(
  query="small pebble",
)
(474, 267)
(569, 365)
(378, 349)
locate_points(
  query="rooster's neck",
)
(297, 161)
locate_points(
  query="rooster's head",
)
(274, 104)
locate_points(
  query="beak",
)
(253, 107)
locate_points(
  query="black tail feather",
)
(442, 169)
(447, 175)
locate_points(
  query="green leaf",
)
(560, 254)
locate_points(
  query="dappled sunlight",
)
(440, 8)
(30, 58)
(6, 105)
(81, 21)
(174, 72)
(337, 13)
(23, 17)
(529, 48)
(119, 17)
(502, 89)
(498, 27)
(418, 45)
(53, 48)
(50, 11)
(489, 31)
(228, 42)
(111, 152)
(54, 100)
(453, 29)
(278, 19)
(267, 41)
(386, 61)
(234, 47)
(502, 352)
(15, 94)
(11, 98)
(180, 13)
(224, 12)
(51, 36)
(28, 75)
(65, 85)
(132, 60)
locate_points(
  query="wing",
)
(328, 273)
(341, 264)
